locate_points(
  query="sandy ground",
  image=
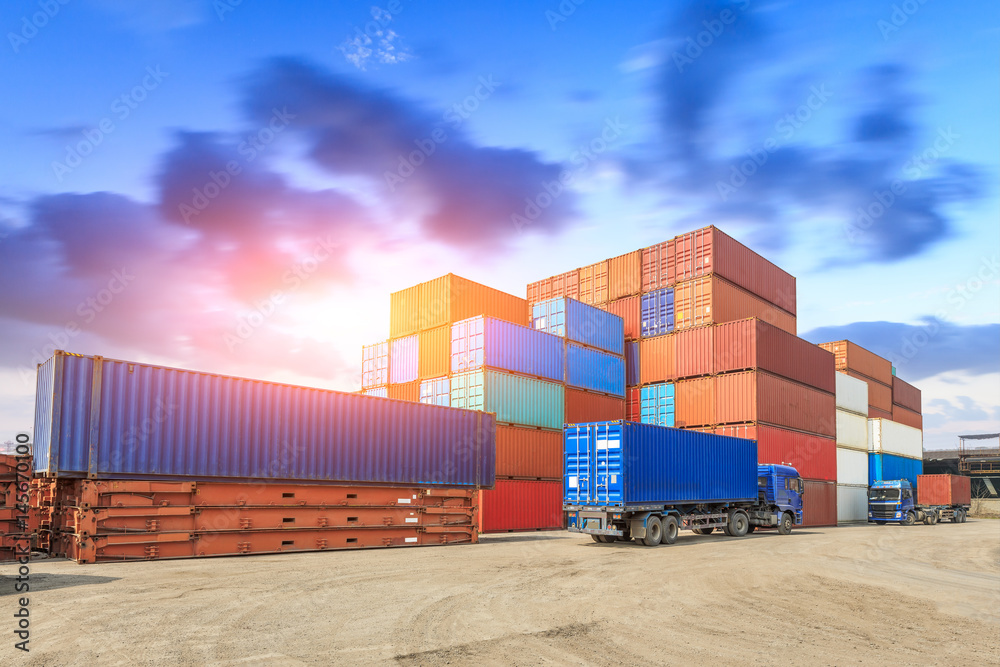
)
(850, 595)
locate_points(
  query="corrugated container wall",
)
(516, 505)
(905, 394)
(888, 437)
(695, 402)
(405, 391)
(752, 343)
(695, 351)
(447, 300)
(434, 352)
(633, 405)
(712, 300)
(813, 456)
(879, 395)
(658, 266)
(576, 321)
(514, 399)
(852, 430)
(657, 359)
(381, 392)
(888, 467)
(594, 283)
(754, 396)
(486, 342)
(656, 313)
(375, 364)
(595, 370)
(565, 284)
(625, 275)
(204, 426)
(631, 363)
(852, 394)
(907, 417)
(944, 490)
(657, 404)
(404, 359)
(852, 467)
(875, 413)
(629, 310)
(585, 406)
(529, 453)
(851, 356)
(852, 503)
(819, 504)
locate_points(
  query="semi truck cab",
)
(895, 501)
(780, 486)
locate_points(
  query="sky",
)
(237, 187)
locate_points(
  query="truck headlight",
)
(897, 515)
(870, 515)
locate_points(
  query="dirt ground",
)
(837, 596)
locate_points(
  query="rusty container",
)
(755, 344)
(819, 503)
(756, 396)
(447, 300)
(852, 357)
(695, 351)
(625, 275)
(658, 266)
(905, 395)
(944, 490)
(713, 300)
(529, 453)
(694, 402)
(657, 359)
(594, 283)
(585, 406)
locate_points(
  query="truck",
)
(629, 481)
(936, 498)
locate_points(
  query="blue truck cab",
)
(781, 487)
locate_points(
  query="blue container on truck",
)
(486, 342)
(656, 404)
(594, 370)
(631, 363)
(656, 312)
(580, 323)
(110, 419)
(626, 480)
(891, 467)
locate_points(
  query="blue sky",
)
(776, 121)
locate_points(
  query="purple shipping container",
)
(404, 359)
(375, 364)
(657, 313)
(486, 342)
(103, 418)
(632, 363)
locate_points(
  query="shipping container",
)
(632, 363)
(564, 285)
(695, 351)
(633, 404)
(517, 506)
(449, 299)
(381, 392)
(629, 309)
(754, 344)
(888, 437)
(695, 402)
(633, 463)
(656, 313)
(375, 364)
(586, 406)
(404, 359)
(906, 395)
(657, 404)
(436, 391)
(852, 394)
(658, 266)
(625, 275)
(888, 467)
(853, 357)
(819, 503)
(814, 456)
(852, 430)
(657, 359)
(594, 283)
(710, 251)
(755, 396)
(405, 391)
(529, 453)
(594, 370)
(106, 418)
(580, 323)
(907, 417)
(514, 399)
(434, 352)
(879, 395)
(712, 300)
(875, 413)
(944, 490)
(852, 467)
(852, 503)
(486, 342)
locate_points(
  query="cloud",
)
(377, 42)
(923, 350)
(966, 409)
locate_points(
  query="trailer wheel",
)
(962, 520)
(654, 532)
(909, 520)
(597, 538)
(785, 526)
(739, 523)
(670, 530)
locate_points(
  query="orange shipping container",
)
(625, 275)
(753, 344)
(853, 357)
(944, 490)
(594, 283)
(906, 416)
(819, 503)
(629, 310)
(712, 300)
(405, 391)
(529, 453)
(565, 284)
(584, 406)
(876, 413)
(753, 396)
(434, 352)
(879, 395)
(658, 266)
(448, 299)
(905, 394)
(657, 359)
(695, 351)
(694, 402)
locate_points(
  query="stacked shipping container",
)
(852, 449)
(895, 451)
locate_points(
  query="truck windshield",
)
(883, 494)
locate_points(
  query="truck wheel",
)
(654, 531)
(670, 530)
(962, 520)
(597, 538)
(909, 520)
(703, 531)
(739, 523)
(785, 526)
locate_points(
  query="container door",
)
(608, 459)
(578, 461)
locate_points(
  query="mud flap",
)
(637, 526)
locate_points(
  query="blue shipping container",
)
(375, 364)
(632, 363)
(576, 321)
(591, 369)
(103, 418)
(882, 467)
(656, 404)
(622, 463)
(404, 359)
(657, 313)
(436, 391)
(486, 342)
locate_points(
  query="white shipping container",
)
(852, 503)
(852, 430)
(888, 437)
(852, 466)
(852, 394)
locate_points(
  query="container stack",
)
(876, 372)
(896, 451)
(852, 449)
(906, 404)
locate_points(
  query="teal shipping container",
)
(514, 399)
(578, 322)
(656, 404)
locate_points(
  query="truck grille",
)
(881, 513)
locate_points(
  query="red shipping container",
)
(694, 402)
(516, 505)
(853, 357)
(629, 309)
(633, 404)
(695, 350)
(658, 266)
(814, 456)
(906, 395)
(819, 503)
(584, 406)
(594, 283)
(529, 453)
(565, 284)
(712, 300)
(755, 396)
(657, 359)
(944, 490)
(709, 250)
(754, 344)
(875, 413)
(625, 275)
(908, 417)
(405, 391)
(879, 395)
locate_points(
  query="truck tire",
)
(670, 530)
(786, 523)
(703, 531)
(962, 520)
(597, 538)
(654, 531)
(909, 520)
(739, 523)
